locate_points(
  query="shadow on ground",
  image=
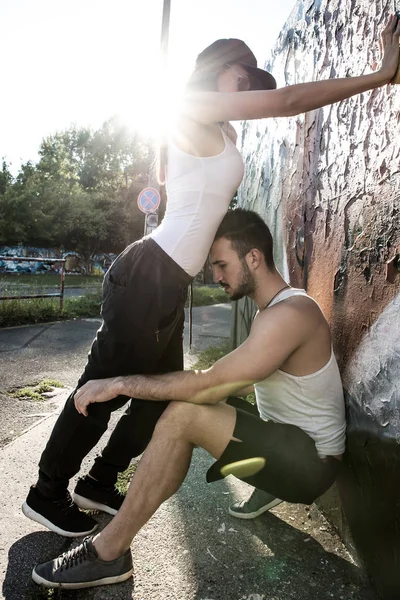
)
(193, 550)
(39, 547)
(269, 558)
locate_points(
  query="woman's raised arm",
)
(213, 107)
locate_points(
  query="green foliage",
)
(42, 310)
(124, 478)
(208, 357)
(47, 384)
(36, 391)
(81, 194)
(26, 394)
(33, 281)
(204, 295)
(84, 306)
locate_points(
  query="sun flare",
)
(151, 110)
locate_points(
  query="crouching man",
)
(291, 450)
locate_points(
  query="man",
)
(294, 455)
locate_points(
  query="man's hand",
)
(96, 390)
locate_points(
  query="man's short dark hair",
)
(246, 230)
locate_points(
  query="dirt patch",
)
(17, 415)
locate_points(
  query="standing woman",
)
(145, 289)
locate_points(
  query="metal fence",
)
(45, 260)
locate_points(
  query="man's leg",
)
(159, 475)
(258, 501)
(164, 465)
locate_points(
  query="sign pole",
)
(148, 202)
(152, 181)
(165, 32)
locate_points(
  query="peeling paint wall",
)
(328, 184)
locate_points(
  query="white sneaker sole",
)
(88, 504)
(85, 584)
(256, 513)
(34, 516)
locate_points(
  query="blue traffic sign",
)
(148, 200)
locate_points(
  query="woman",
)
(144, 290)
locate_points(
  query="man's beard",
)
(246, 284)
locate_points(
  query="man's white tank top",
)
(313, 402)
(199, 190)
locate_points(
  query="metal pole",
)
(152, 180)
(165, 31)
(62, 286)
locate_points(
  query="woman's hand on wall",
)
(390, 48)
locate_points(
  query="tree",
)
(82, 192)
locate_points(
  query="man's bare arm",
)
(198, 387)
(272, 339)
(246, 390)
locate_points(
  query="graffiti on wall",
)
(74, 262)
(328, 184)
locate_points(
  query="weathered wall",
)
(328, 183)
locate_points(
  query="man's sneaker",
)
(81, 567)
(258, 503)
(90, 495)
(61, 516)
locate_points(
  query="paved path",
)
(58, 350)
(191, 549)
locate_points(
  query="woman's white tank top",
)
(199, 190)
(313, 402)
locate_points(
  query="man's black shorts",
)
(293, 470)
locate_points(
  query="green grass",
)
(42, 310)
(208, 357)
(204, 295)
(42, 280)
(205, 360)
(37, 592)
(124, 479)
(35, 391)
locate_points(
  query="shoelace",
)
(75, 556)
(66, 504)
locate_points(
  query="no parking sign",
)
(148, 200)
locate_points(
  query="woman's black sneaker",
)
(61, 516)
(91, 495)
(81, 567)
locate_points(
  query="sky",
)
(82, 61)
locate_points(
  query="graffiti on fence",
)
(75, 262)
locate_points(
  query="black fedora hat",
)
(232, 51)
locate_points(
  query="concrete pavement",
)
(191, 549)
(59, 350)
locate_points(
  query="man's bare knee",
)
(177, 419)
